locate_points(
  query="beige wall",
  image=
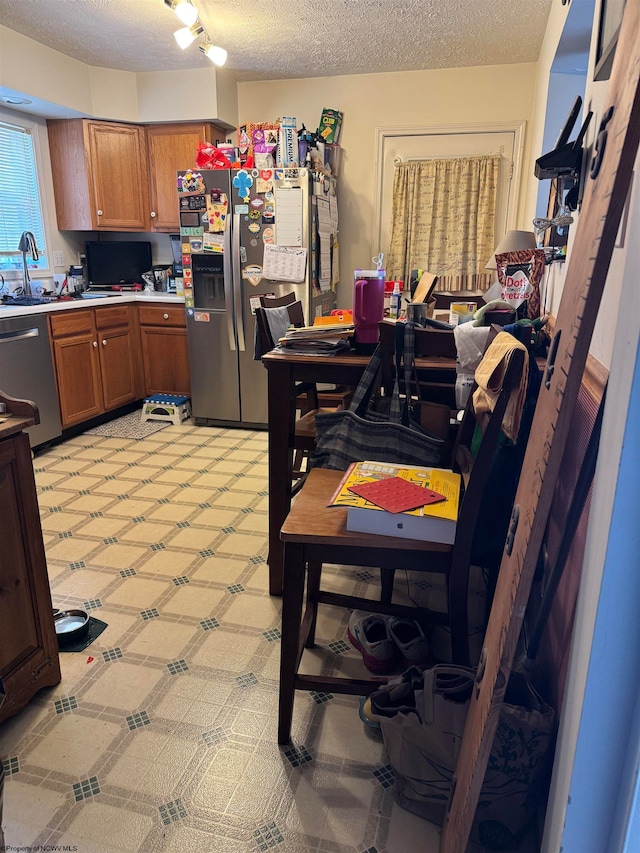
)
(416, 98)
(62, 86)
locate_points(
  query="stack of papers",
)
(318, 340)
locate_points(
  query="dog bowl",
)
(71, 625)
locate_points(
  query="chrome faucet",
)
(27, 245)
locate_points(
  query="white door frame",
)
(384, 133)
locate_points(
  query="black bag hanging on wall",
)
(364, 433)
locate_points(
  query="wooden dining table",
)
(285, 371)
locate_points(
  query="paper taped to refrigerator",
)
(283, 263)
(325, 237)
(289, 216)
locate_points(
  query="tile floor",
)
(161, 735)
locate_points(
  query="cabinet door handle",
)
(104, 343)
(153, 214)
(95, 343)
(99, 213)
(166, 316)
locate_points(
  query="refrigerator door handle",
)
(228, 289)
(237, 290)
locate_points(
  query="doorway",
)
(398, 144)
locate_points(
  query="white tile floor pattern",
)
(161, 735)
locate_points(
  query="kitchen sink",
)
(20, 301)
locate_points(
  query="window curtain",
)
(444, 220)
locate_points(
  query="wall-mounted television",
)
(117, 262)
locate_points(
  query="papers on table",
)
(317, 340)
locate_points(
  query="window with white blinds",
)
(20, 208)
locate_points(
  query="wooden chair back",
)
(475, 471)
(294, 308)
(429, 343)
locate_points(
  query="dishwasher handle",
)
(21, 334)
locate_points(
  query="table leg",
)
(281, 427)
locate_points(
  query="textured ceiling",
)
(277, 39)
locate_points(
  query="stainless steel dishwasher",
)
(26, 371)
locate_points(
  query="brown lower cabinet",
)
(165, 358)
(28, 643)
(97, 361)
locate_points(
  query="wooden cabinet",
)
(165, 359)
(100, 175)
(97, 363)
(121, 177)
(28, 643)
(172, 148)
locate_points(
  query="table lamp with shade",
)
(513, 241)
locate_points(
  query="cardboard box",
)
(330, 125)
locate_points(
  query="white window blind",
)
(20, 208)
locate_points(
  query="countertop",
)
(94, 302)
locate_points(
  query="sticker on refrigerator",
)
(193, 202)
(217, 212)
(269, 235)
(254, 214)
(256, 202)
(254, 301)
(266, 174)
(268, 212)
(263, 186)
(190, 312)
(202, 317)
(213, 243)
(186, 259)
(243, 255)
(243, 183)
(187, 276)
(191, 182)
(253, 274)
(196, 244)
(190, 223)
(188, 303)
(241, 208)
(254, 227)
(186, 247)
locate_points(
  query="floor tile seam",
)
(105, 592)
(73, 810)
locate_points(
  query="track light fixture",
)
(188, 14)
(217, 55)
(187, 35)
(185, 11)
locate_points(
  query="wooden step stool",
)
(166, 407)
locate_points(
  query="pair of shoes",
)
(378, 637)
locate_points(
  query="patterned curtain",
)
(443, 220)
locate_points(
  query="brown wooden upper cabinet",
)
(172, 148)
(109, 176)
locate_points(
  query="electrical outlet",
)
(58, 259)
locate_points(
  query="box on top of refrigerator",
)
(330, 125)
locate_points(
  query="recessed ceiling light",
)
(15, 101)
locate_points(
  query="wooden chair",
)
(309, 400)
(314, 533)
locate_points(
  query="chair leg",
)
(386, 584)
(313, 587)
(292, 591)
(459, 623)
